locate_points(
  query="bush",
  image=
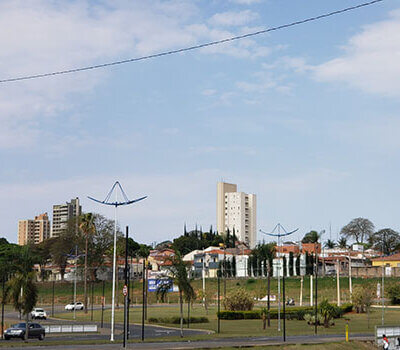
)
(177, 320)
(362, 298)
(393, 292)
(292, 313)
(250, 281)
(239, 300)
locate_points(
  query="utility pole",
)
(301, 290)
(269, 292)
(52, 302)
(204, 280)
(218, 302)
(284, 306)
(350, 282)
(102, 304)
(316, 288)
(311, 290)
(383, 284)
(2, 306)
(76, 268)
(91, 302)
(143, 296)
(125, 290)
(338, 282)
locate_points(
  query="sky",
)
(307, 117)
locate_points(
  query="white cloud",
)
(231, 18)
(370, 61)
(50, 36)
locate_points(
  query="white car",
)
(72, 306)
(38, 313)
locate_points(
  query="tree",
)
(393, 291)
(88, 228)
(42, 256)
(359, 229)
(386, 240)
(100, 243)
(342, 243)
(63, 245)
(311, 237)
(179, 273)
(23, 289)
(298, 266)
(330, 244)
(291, 263)
(284, 266)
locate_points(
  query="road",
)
(214, 343)
(150, 331)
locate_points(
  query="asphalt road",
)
(214, 343)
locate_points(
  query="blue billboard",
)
(153, 284)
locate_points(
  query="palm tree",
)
(179, 273)
(23, 290)
(342, 243)
(88, 227)
(330, 244)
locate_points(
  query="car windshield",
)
(19, 325)
(39, 310)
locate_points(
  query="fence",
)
(70, 328)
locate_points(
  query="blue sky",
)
(307, 117)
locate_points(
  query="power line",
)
(190, 48)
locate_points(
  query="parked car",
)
(72, 306)
(38, 313)
(18, 331)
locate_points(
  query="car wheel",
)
(6, 337)
(44, 318)
(41, 337)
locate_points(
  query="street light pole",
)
(383, 284)
(279, 235)
(116, 204)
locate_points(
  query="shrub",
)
(393, 292)
(328, 311)
(362, 298)
(292, 313)
(177, 320)
(239, 300)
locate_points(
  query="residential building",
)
(237, 212)
(389, 261)
(62, 213)
(34, 231)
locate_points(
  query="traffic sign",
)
(125, 290)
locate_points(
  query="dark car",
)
(18, 331)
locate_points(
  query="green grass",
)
(327, 346)
(358, 323)
(326, 289)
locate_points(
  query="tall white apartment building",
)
(62, 213)
(237, 211)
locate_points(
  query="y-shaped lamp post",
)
(116, 204)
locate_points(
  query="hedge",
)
(177, 320)
(292, 313)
